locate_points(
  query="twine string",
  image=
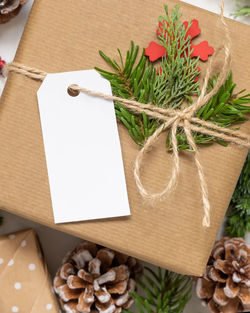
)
(170, 119)
(162, 114)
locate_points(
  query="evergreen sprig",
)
(242, 10)
(174, 84)
(176, 80)
(138, 80)
(165, 292)
(238, 220)
(225, 109)
(133, 81)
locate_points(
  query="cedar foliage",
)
(175, 81)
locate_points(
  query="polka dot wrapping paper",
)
(25, 285)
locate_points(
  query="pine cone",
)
(9, 9)
(93, 278)
(225, 286)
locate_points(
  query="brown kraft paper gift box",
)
(61, 36)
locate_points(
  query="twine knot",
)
(183, 116)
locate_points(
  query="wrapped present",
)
(62, 37)
(25, 283)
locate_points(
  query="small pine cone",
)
(225, 285)
(96, 279)
(9, 9)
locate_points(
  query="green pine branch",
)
(165, 292)
(238, 219)
(131, 80)
(136, 78)
(225, 109)
(242, 10)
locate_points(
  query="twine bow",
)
(172, 120)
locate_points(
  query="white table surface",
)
(55, 244)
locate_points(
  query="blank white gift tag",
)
(82, 148)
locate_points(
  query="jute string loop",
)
(170, 119)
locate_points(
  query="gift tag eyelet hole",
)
(73, 92)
